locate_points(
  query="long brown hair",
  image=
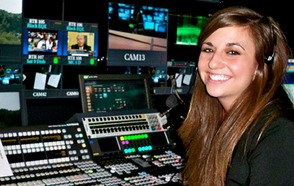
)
(208, 136)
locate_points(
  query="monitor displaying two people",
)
(42, 41)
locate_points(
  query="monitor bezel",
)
(112, 77)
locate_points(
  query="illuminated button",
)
(122, 138)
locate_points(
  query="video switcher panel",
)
(66, 155)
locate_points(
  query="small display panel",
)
(108, 145)
(288, 82)
(42, 41)
(10, 74)
(11, 22)
(103, 93)
(80, 45)
(189, 29)
(10, 109)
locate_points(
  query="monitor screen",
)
(12, 109)
(103, 93)
(288, 82)
(42, 41)
(137, 35)
(10, 74)
(189, 29)
(11, 22)
(80, 46)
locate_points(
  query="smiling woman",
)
(239, 129)
(227, 63)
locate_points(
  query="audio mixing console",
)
(117, 148)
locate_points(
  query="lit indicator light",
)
(55, 61)
(92, 61)
(131, 25)
(122, 138)
(145, 148)
(130, 150)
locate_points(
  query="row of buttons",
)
(115, 118)
(32, 133)
(119, 129)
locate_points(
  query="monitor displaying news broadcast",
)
(42, 41)
(81, 43)
(45, 41)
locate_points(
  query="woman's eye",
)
(233, 52)
(207, 50)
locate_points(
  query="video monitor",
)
(288, 82)
(10, 30)
(189, 29)
(12, 108)
(80, 43)
(111, 92)
(10, 74)
(137, 35)
(42, 41)
(11, 22)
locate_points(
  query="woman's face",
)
(227, 63)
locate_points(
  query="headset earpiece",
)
(270, 59)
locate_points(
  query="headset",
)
(270, 58)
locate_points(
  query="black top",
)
(271, 161)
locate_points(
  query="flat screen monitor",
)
(111, 92)
(80, 46)
(137, 35)
(11, 22)
(189, 28)
(10, 30)
(12, 108)
(288, 82)
(10, 74)
(42, 41)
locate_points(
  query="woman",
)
(239, 129)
